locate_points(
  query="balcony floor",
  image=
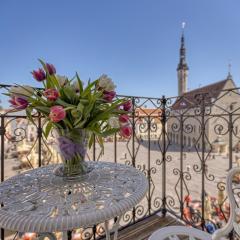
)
(143, 229)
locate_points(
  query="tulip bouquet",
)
(78, 113)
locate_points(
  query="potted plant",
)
(77, 112)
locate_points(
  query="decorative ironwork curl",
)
(139, 210)
(168, 158)
(175, 127)
(187, 176)
(219, 129)
(188, 128)
(127, 217)
(153, 170)
(158, 162)
(170, 203)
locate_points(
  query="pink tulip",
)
(127, 105)
(19, 103)
(51, 69)
(39, 74)
(126, 131)
(57, 113)
(124, 118)
(109, 96)
(51, 94)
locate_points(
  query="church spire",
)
(182, 68)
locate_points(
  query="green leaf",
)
(29, 115)
(104, 115)
(91, 140)
(54, 80)
(76, 113)
(101, 143)
(81, 123)
(79, 83)
(70, 94)
(80, 107)
(88, 89)
(110, 132)
(43, 65)
(48, 129)
(42, 109)
(68, 123)
(63, 103)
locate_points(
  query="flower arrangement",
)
(78, 113)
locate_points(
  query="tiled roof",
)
(189, 100)
(153, 112)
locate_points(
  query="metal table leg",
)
(114, 229)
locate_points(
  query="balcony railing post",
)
(149, 166)
(115, 147)
(203, 165)
(163, 103)
(133, 147)
(2, 133)
(39, 134)
(230, 127)
(94, 148)
(181, 165)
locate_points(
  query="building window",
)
(189, 141)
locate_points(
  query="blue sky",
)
(136, 42)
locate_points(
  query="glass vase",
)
(72, 144)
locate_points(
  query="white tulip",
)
(106, 83)
(24, 90)
(75, 86)
(114, 122)
(62, 80)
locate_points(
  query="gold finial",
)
(183, 26)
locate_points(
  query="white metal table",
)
(39, 201)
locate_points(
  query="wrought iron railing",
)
(184, 145)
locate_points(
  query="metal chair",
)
(174, 232)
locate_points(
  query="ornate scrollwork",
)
(153, 170)
(139, 210)
(87, 234)
(170, 203)
(175, 127)
(158, 162)
(188, 128)
(127, 217)
(168, 158)
(220, 130)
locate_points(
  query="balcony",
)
(184, 145)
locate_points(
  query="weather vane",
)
(229, 66)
